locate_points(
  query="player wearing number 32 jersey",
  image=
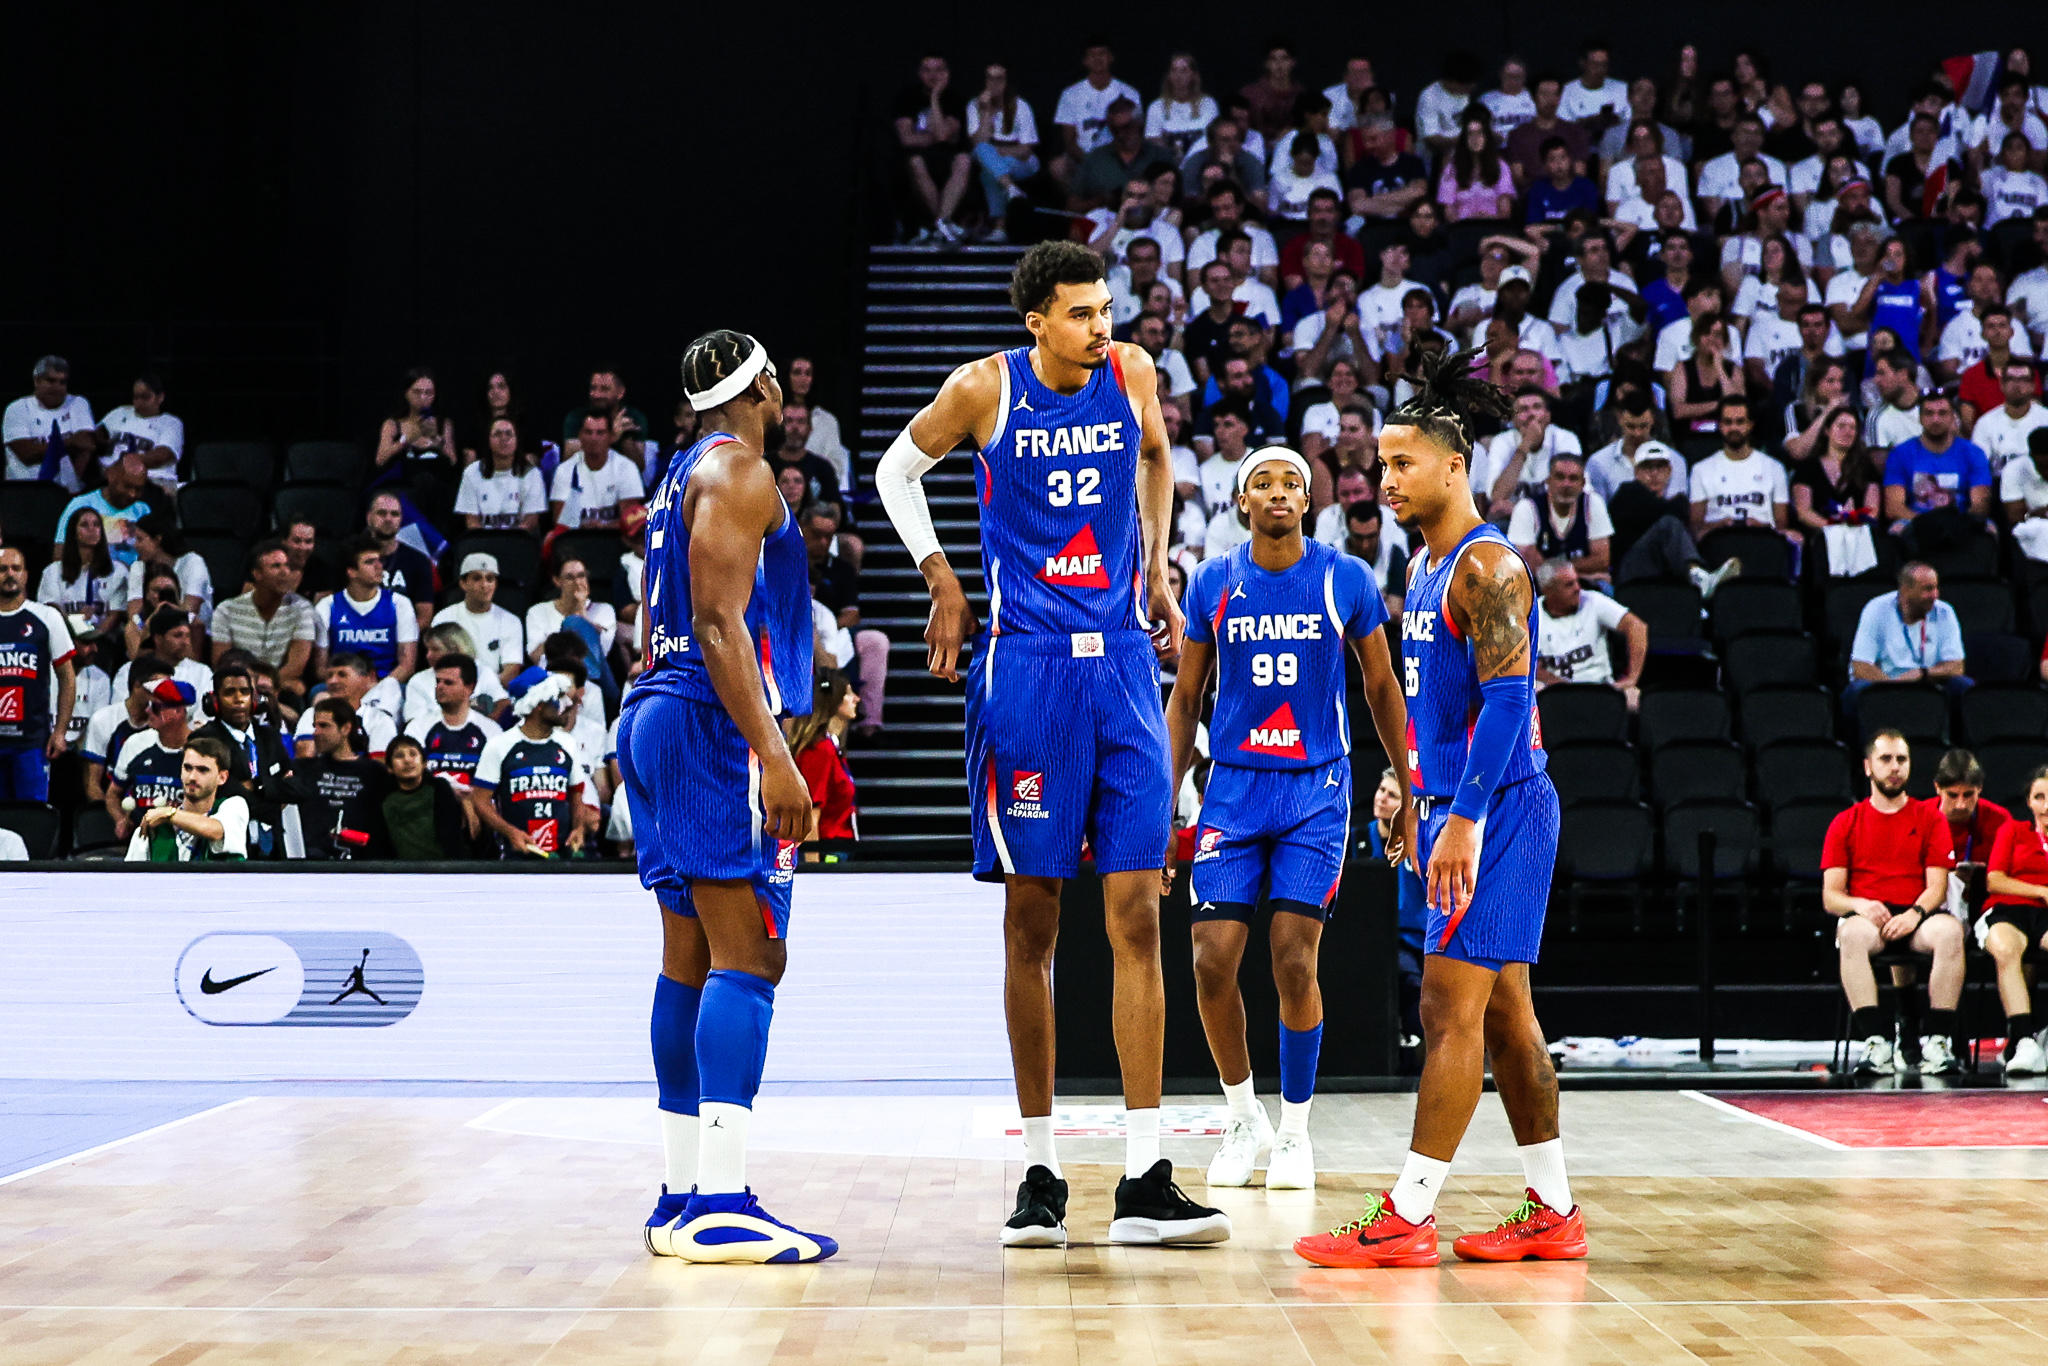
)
(1066, 740)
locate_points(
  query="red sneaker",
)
(1534, 1230)
(1378, 1237)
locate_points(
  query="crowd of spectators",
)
(413, 649)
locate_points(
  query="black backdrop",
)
(284, 205)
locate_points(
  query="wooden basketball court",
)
(352, 1228)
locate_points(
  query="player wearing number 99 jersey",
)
(1275, 616)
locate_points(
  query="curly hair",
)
(1043, 269)
(1448, 396)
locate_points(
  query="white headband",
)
(1265, 453)
(734, 384)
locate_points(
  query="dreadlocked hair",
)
(713, 356)
(1448, 396)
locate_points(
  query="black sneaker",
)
(1152, 1209)
(1041, 1217)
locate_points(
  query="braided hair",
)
(1448, 396)
(713, 356)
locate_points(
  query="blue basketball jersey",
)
(1899, 308)
(1442, 681)
(1279, 642)
(1058, 486)
(778, 613)
(371, 631)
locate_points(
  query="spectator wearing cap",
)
(451, 732)
(207, 822)
(49, 433)
(1511, 309)
(141, 425)
(1937, 487)
(1652, 540)
(37, 684)
(376, 706)
(2001, 408)
(337, 793)
(2015, 923)
(408, 571)
(1473, 304)
(150, 771)
(426, 816)
(527, 787)
(270, 621)
(108, 728)
(1884, 876)
(498, 637)
(1572, 631)
(502, 490)
(1907, 636)
(168, 637)
(367, 618)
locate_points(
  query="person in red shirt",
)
(1884, 874)
(1973, 823)
(2016, 918)
(818, 741)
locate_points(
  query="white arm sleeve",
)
(899, 476)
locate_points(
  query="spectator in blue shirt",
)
(1910, 636)
(1665, 294)
(1937, 487)
(121, 502)
(1561, 191)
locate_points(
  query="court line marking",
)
(1348, 1306)
(81, 1155)
(1716, 1103)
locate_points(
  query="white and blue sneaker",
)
(734, 1228)
(661, 1225)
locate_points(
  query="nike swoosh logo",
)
(210, 987)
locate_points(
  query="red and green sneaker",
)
(1378, 1237)
(1534, 1230)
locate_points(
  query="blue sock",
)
(1299, 1050)
(673, 1032)
(732, 1036)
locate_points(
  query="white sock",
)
(679, 1151)
(1543, 1170)
(1141, 1141)
(1243, 1097)
(1294, 1117)
(1038, 1144)
(722, 1148)
(1415, 1193)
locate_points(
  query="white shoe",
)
(1937, 1056)
(951, 233)
(1245, 1142)
(1292, 1167)
(2027, 1059)
(1876, 1057)
(1707, 582)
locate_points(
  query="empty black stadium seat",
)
(338, 462)
(1738, 840)
(1993, 712)
(1595, 770)
(1843, 605)
(1920, 778)
(1984, 606)
(1770, 661)
(230, 509)
(1975, 558)
(29, 509)
(248, 462)
(1582, 711)
(1787, 713)
(1694, 770)
(599, 551)
(1605, 849)
(1789, 771)
(2008, 769)
(92, 828)
(37, 823)
(1670, 610)
(227, 561)
(2000, 659)
(1744, 607)
(1798, 830)
(331, 508)
(1919, 711)
(1765, 554)
(1669, 715)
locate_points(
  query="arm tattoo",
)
(1497, 615)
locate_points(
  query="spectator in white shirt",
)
(1441, 106)
(590, 490)
(158, 542)
(1564, 520)
(52, 414)
(1175, 381)
(1235, 251)
(1227, 214)
(1738, 485)
(2013, 189)
(1379, 305)
(2009, 117)
(1291, 183)
(1182, 112)
(1595, 267)
(1510, 102)
(1135, 219)
(501, 489)
(797, 384)
(1003, 132)
(496, 637)
(1354, 485)
(1646, 140)
(1082, 115)
(1515, 464)
(1721, 178)
(572, 599)
(1614, 464)
(1227, 530)
(1595, 98)
(82, 580)
(439, 643)
(2003, 433)
(1963, 341)
(1795, 325)
(1572, 631)
(143, 426)
(1347, 96)
(2023, 489)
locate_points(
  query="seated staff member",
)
(1884, 875)
(2015, 919)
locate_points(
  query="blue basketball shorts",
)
(1517, 854)
(693, 787)
(1064, 747)
(1282, 832)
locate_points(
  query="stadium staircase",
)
(925, 313)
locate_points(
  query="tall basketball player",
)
(1066, 740)
(1273, 617)
(1488, 819)
(716, 799)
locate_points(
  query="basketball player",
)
(716, 799)
(1273, 617)
(1487, 818)
(1066, 739)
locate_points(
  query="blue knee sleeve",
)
(732, 1036)
(673, 1031)
(1299, 1050)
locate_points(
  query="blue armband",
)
(1503, 721)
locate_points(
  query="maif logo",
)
(344, 979)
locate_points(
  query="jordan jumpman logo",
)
(356, 986)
